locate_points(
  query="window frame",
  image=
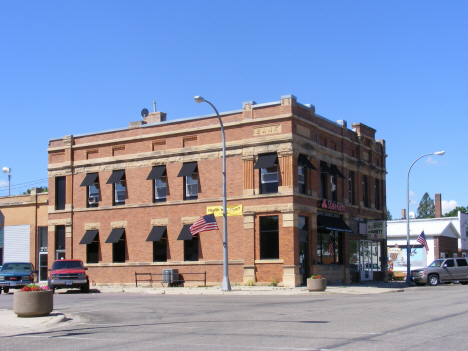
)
(95, 185)
(121, 183)
(60, 192)
(365, 191)
(192, 248)
(269, 186)
(96, 246)
(194, 185)
(269, 238)
(158, 198)
(352, 187)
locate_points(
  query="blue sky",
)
(72, 67)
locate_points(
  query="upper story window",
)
(268, 165)
(333, 196)
(325, 173)
(351, 187)
(158, 174)
(190, 173)
(117, 179)
(303, 163)
(377, 194)
(365, 194)
(60, 191)
(91, 182)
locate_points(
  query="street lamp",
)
(226, 286)
(7, 170)
(408, 249)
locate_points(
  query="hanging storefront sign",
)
(331, 205)
(377, 229)
(235, 210)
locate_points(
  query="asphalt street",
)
(419, 318)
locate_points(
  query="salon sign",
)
(377, 229)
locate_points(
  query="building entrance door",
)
(304, 265)
(366, 260)
(43, 260)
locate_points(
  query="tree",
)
(389, 216)
(454, 212)
(426, 207)
(43, 189)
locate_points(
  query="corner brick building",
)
(307, 189)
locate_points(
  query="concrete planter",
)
(33, 303)
(316, 284)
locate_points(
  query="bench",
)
(396, 275)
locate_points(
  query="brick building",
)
(23, 229)
(122, 200)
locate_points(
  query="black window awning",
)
(266, 161)
(157, 172)
(187, 169)
(333, 223)
(337, 172)
(325, 169)
(115, 235)
(305, 162)
(89, 237)
(116, 176)
(90, 179)
(156, 233)
(185, 233)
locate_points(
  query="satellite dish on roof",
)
(144, 112)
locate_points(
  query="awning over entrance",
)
(157, 172)
(89, 237)
(156, 233)
(333, 223)
(116, 176)
(187, 169)
(185, 233)
(266, 161)
(90, 179)
(115, 235)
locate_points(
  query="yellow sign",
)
(218, 210)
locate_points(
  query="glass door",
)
(366, 260)
(43, 260)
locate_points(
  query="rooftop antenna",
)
(144, 112)
(154, 106)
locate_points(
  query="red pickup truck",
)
(68, 274)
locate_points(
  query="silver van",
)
(444, 270)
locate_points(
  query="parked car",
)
(15, 275)
(68, 274)
(441, 271)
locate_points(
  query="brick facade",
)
(285, 128)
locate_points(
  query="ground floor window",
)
(92, 251)
(269, 238)
(329, 247)
(191, 249)
(160, 250)
(118, 250)
(353, 256)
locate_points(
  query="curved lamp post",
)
(408, 249)
(226, 286)
(7, 170)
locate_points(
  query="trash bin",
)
(166, 275)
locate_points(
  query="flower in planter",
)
(317, 276)
(34, 287)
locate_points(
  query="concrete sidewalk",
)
(10, 323)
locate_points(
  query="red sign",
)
(331, 205)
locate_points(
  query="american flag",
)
(204, 224)
(422, 240)
(331, 245)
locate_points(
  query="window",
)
(160, 186)
(269, 238)
(191, 249)
(449, 263)
(158, 174)
(42, 238)
(190, 173)
(59, 242)
(333, 188)
(191, 187)
(268, 166)
(365, 195)
(92, 251)
(461, 262)
(353, 255)
(158, 236)
(328, 247)
(117, 238)
(324, 180)
(301, 179)
(91, 182)
(119, 188)
(351, 188)
(377, 194)
(60, 189)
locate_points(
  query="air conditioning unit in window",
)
(92, 200)
(332, 182)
